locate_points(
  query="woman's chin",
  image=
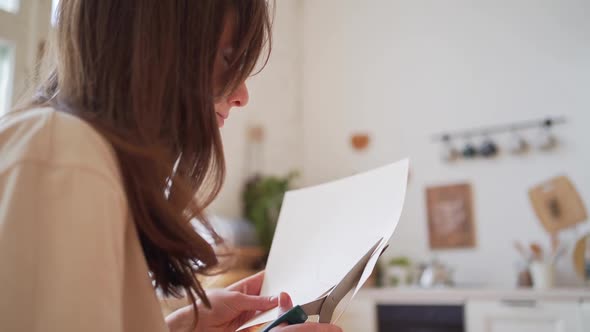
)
(220, 122)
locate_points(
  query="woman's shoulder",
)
(54, 138)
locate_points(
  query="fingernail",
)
(285, 300)
(273, 299)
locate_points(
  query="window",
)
(9, 5)
(6, 72)
(54, 4)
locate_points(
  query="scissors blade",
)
(314, 307)
(349, 281)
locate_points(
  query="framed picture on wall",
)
(450, 216)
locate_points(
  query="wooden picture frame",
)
(450, 216)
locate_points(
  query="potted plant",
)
(262, 199)
(397, 272)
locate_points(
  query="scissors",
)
(325, 305)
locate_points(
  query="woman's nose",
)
(239, 98)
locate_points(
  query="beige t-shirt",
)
(70, 257)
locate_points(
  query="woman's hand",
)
(234, 306)
(284, 305)
(230, 308)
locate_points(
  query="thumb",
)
(254, 302)
(285, 303)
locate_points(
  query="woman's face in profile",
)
(238, 97)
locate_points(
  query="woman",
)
(102, 172)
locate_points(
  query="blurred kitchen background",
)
(490, 100)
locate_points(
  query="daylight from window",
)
(6, 64)
(54, 4)
(9, 5)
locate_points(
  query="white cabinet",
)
(361, 315)
(523, 316)
(484, 310)
(585, 315)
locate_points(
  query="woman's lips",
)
(221, 119)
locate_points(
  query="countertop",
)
(452, 295)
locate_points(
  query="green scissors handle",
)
(295, 315)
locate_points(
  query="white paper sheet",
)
(324, 230)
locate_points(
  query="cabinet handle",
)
(519, 303)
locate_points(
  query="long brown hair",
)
(141, 73)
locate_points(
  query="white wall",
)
(275, 104)
(407, 69)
